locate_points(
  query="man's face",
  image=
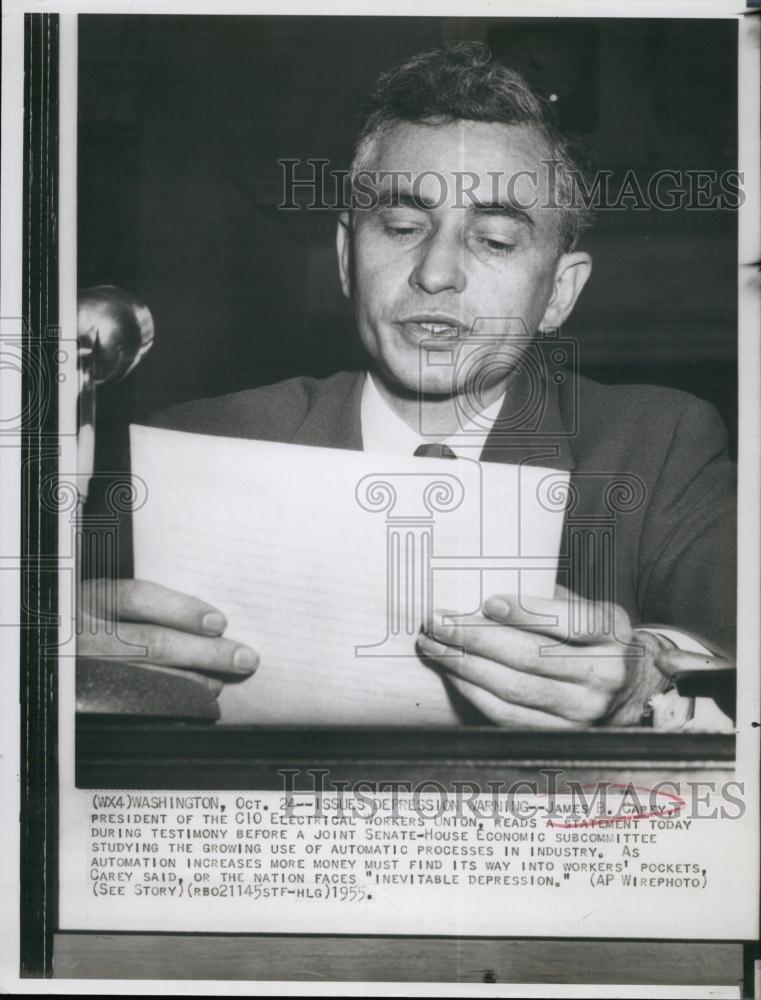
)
(427, 263)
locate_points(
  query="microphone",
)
(114, 331)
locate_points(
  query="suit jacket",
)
(650, 521)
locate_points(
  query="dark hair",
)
(463, 81)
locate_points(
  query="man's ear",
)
(343, 246)
(571, 274)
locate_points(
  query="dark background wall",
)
(183, 119)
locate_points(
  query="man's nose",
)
(439, 266)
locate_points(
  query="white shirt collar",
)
(383, 430)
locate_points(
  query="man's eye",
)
(401, 232)
(497, 246)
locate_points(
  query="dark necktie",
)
(437, 450)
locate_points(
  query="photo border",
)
(37, 448)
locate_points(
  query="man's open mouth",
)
(434, 325)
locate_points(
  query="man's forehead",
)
(460, 145)
(456, 164)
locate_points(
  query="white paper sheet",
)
(306, 549)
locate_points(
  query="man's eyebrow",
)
(405, 199)
(504, 209)
(408, 199)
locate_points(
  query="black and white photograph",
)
(388, 605)
(272, 226)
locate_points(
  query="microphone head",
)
(116, 328)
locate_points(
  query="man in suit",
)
(463, 232)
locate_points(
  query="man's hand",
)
(538, 663)
(152, 625)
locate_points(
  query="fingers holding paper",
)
(153, 625)
(541, 663)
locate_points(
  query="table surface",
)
(112, 753)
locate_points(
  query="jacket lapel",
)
(530, 427)
(333, 417)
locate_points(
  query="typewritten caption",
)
(264, 861)
(243, 848)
